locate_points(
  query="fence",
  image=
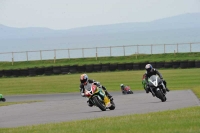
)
(125, 50)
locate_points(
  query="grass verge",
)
(176, 121)
(12, 103)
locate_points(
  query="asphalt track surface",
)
(56, 108)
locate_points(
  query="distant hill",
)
(181, 28)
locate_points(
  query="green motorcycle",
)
(2, 98)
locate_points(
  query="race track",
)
(71, 106)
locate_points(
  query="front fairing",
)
(93, 90)
(154, 81)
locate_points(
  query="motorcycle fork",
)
(152, 91)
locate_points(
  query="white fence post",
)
(12, 58)
(96, 53)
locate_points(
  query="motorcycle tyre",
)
(112, 107)
(99, 103)
(130, 92)
(3, 99)
(161, 96)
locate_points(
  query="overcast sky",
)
(66, 14)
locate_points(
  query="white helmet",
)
(148, 67)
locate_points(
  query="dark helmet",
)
(84, 78)
(148, 67)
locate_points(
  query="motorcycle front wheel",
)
(161, 96)
(99, 104)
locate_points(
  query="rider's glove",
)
(97, 83)
(82, 94)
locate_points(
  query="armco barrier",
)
(81, 69)
(24, 72)
(128, 66)
(168, 65)
(40, 71)
(64, 69)
(73, 69)
(136, 66)
(32, 71)
(89, 68)
(113, 67)
(197, 63)
(191, 64)
(105, 67)
(121, 66)
(7, 73)
(16, 72)
(97, 67)
(55, 70)
(176, 64)
(1, 73)
(48, 70)
(160, 64)
(184, 64)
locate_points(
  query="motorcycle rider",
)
(123, 88)
(152, 71)
(84, 80)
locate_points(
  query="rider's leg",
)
(108, 94)
(165, 83)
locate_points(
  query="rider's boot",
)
(146, 89)
(165, 83)
(109, 96)
(167, 89)
(89, 103)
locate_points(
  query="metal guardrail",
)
(96, 52)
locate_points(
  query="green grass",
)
(103, 60)
(177, 79)
(176, 121)
(11, 103)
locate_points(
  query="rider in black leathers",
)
(84, 80)
(152, 71)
